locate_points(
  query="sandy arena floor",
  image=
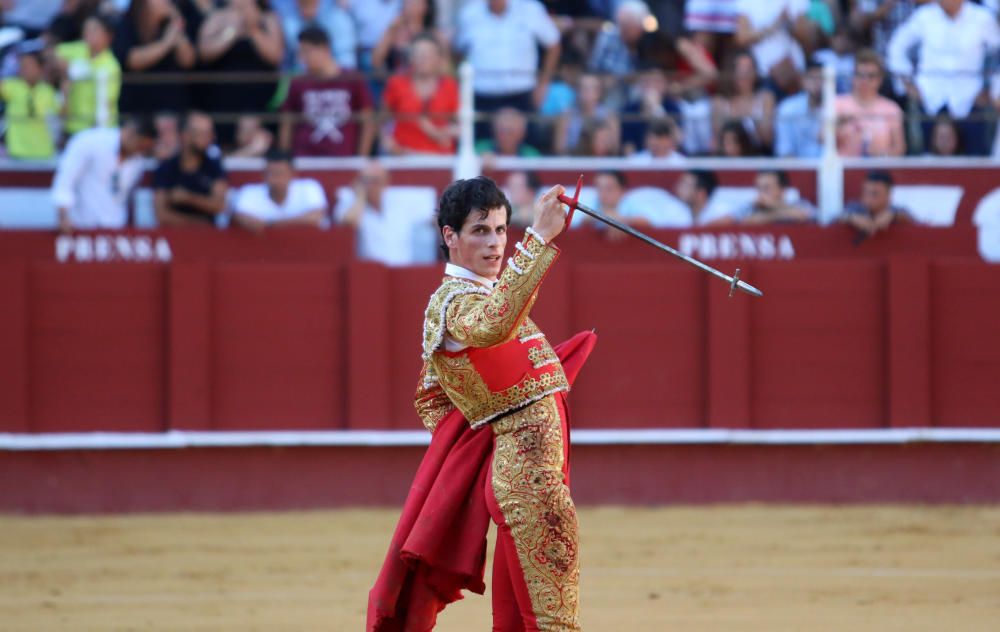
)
(743, 569)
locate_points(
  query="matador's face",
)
(480, 245)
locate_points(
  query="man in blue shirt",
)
(799, 125)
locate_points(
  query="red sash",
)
(439, 546)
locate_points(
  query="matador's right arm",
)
(478, 320)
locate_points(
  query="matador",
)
(493, 393)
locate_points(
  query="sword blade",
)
(625, 228)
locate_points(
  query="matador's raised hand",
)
(550, 219)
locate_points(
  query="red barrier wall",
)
(146, 347)
(260, 478)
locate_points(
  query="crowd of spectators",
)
(377, 77)
(654, 82)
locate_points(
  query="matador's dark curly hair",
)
(462, 197)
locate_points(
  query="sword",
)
(574, 204)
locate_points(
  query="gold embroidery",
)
(528, 485)
(431, 402)
(476, 317)
(542, 355)
(434, 315)
(466, 389)
(477, 320)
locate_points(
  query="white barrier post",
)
(467, 164)
(831, 167)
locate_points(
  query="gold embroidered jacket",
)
(506, 361)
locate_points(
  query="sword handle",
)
(571, 202)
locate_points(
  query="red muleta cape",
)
(439, 546)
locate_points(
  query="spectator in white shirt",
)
(282, 199)
(953, 39)
(500, 38)
(695, 188)
(97, 174)
(661, 144)
(392, 227)
(773, 29)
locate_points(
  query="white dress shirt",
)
(951, 54)
(503, 48)
(304, 196)
(92, 182)
(401, 233)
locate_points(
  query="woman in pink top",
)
(869, 124)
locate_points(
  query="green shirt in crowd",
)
(84, 74)
(28, 110)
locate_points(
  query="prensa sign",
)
(764, 246)
(112, 248)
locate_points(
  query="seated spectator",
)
(391, 53)
(694, 188)
(423, 102)
(692, 71)
(649, 98)
(634, 208)
(253, 140)
(242, 36)
(281, 200)
(774, 31)
(562, 91)
(388, 230)
(953, 41)
(330, 16)
(874, 212)
(742, 97)
(501, 40)
(521, 188)
(735, 142)
(151, 39)
(190, 188)
(661, 144)
(598, 139)
(798, 132)
(29, 104)
(771, 205)
(868, 124)
(509, 129)
(589, 107)
(610, 186)
(945, 140)
(97, 174)
(616, 50)
(168, 136)
(92, 78)
(328, 112)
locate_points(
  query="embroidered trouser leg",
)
(537, 533)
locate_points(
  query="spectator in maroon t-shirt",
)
(328, 112)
